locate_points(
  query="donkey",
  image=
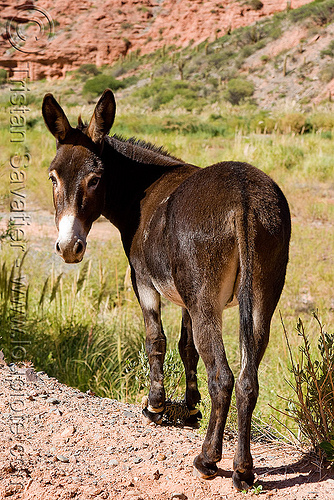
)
(206, 239)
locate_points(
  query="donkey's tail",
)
(245, 233)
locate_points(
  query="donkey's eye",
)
(53, 180)
(94, 181)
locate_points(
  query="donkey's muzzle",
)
(72, 253)
(71, 242)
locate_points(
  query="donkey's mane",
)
(139, 143)
(142, 151)
(137, 149)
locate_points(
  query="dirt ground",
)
(59, 443)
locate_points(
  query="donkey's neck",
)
(131, 176)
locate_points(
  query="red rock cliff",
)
(100, 31)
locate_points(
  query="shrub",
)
(247, 51)
(3, 76)
(161, 92)
(238, 89)
(89, 69)
(322, 121)
(313, 383)
(275, 32)
(321, 13)
(218, 59)
(327, 73)
(250, 34)
(255, 4)
(329, 51)
(95, 86)
(125, 25)
(265, 58)
(294, 122)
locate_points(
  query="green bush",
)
(95, 86)
(265, 58)
(322, 121)
(220, 58)
(329, 51)
(247, 51)
(327, 73)
(238, 89)
(3, 76)
(320, 12)
(89, 69)
(294, 122)
(313, 383)
(162, 91)
(255, 4)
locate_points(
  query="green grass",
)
(319, 12)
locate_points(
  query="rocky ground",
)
(59, 443)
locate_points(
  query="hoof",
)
(243, 480)
(204, 470)
(193, 419)
(151, 417)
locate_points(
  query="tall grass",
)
(85, 327)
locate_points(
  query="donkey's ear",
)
(103, 117)
(55, 118)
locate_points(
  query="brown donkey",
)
(206, 239)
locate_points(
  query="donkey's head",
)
(77, 172)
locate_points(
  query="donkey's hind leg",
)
(190, 358)
(265, 298)
(209, 344)
(246, 391)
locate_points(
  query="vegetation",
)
(82, 322)
(162, 92)
(83, 328)
(96, 85)
(3, 76)
(254, 4)
(319, 12)
(329, 51)
(313, 383)
(238, 89)
(327, 73)
(88, 70)
(208, 70)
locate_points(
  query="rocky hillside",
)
(57, 36)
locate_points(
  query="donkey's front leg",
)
(156, 349)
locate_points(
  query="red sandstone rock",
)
(101, 31)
